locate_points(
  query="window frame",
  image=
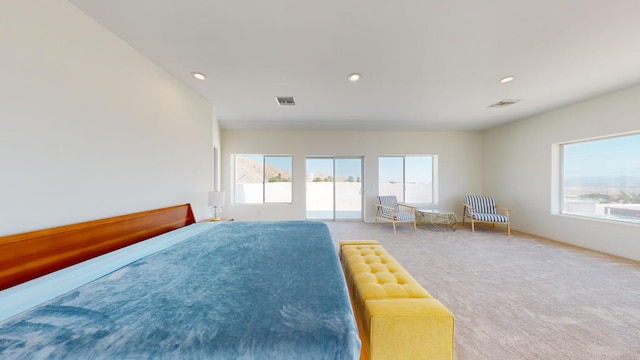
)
(559, 204)
(264, 178)
(434, 177)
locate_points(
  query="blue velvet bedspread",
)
(241, 290)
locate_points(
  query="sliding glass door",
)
(348, 188)
(334, 188)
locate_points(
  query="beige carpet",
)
(519, 297)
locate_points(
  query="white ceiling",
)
(425, 64)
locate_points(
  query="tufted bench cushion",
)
(397, 317)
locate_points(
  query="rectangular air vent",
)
(504, 103)
(285, 100)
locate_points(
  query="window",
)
(410, 178)
(334, 188)
(601, 178)
(262, 179)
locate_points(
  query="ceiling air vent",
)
(504, 103)
(285, 100)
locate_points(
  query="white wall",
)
(89, 128)
(460, 157)
(216, 155)
(518, 170)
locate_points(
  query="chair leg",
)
(394, 226)
(508, 229)
(473, 229)
(414, 225)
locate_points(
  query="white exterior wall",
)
(518, 162)
(89, 128)
(460, 157)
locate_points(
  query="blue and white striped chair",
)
(388, 209)
(484, 209)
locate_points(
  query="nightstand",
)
(221, 219)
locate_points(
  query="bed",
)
(231, 290)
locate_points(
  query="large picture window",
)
(410, 178)
(601, 178)
(262, 179)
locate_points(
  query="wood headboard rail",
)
(26, 256)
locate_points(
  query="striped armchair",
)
(484, 209)
(388, 209)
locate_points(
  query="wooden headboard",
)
(29, 255)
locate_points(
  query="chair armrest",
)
(391, 208)
(465, 207)
(407, 206)
(386, 207)
(506, 210)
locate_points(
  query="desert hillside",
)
(250, 171)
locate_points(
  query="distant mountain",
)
(250, 171)
(604, 181)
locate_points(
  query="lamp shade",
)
(216, 198)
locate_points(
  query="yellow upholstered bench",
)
(397, 317)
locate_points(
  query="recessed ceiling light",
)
(507, 79)
(353, 77)
(198, 75)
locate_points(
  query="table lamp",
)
(216, 199)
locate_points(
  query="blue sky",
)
(344, 167)
(281, 162)
(618, 156)
(418, 168)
